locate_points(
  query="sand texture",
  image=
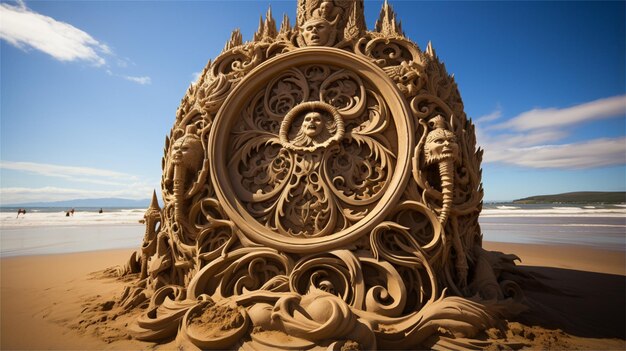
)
(67, 301)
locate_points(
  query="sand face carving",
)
(321, 190)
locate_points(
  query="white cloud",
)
(68, 172)
(195, 76)
(72, 174)
(138, 80)
(590, 154)
(510, 140)
(496, 114)
(552, 117)
(108, 183)
(21, 4)
(26, 29)
(532, 138)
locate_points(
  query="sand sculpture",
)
(321, 188)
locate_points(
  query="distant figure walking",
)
(72, 211)
(67, 213)
(21, 211)
(100, 211)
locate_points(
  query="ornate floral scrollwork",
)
(395, 244)
(386, 291)
(246, 269)
(338, 273)
(314, 151)
(304, 177)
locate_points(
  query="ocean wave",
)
(507, 207)
(582, 225)
(554, 211)
(59, 218)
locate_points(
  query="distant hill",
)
(106, 202)
(607, 197)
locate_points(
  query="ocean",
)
(597, 225)
(49, 231)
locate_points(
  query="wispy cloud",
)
(496, 114)
(138, 80)
(195, 76)
(590, 154)
(553, 117)
(75, 174)
(533, 138)
(109, 183)
(28, 30)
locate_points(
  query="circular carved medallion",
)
(311, 150)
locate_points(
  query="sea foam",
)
(39, 218)
(553, 211)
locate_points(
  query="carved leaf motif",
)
(346, 92)
(284, 93)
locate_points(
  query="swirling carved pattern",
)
(338, 273)
(324, 190)
(243, 270)
(313, 151)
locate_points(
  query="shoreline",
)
(69, 239)
(67, 225)
(597, 233)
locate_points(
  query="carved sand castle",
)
(321, 189)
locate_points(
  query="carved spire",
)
(285, 29)
(154, 204)
(270, 25)
(285, 26)
(235, 40)
(267, 28)
(430, 51)
(153, 209)
(258, 35)
(440, 66)
(387, 23)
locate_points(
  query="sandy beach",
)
(54, 301)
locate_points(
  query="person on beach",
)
(100, 211)
(21, 211)
(72, 211)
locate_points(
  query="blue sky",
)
(89, 89)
